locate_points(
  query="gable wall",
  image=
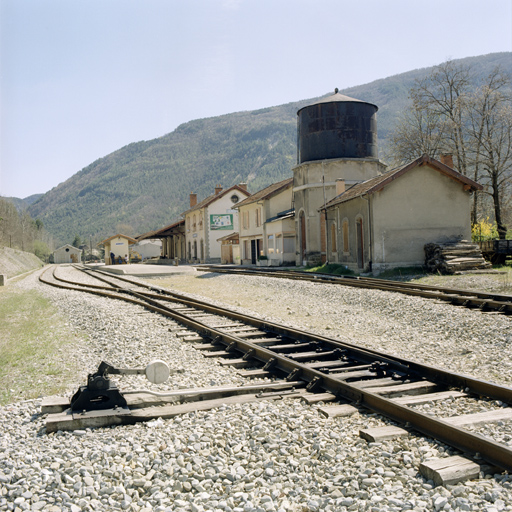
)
(421, 206)
(223, 205)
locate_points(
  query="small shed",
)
(67, 254)
(118, 246)
(229, 249)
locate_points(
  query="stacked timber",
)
(452, 257)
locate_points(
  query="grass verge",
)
(331, 268)
(33, 342)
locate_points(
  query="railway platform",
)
(146, 270)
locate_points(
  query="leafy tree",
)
(41, 250)
(76, 241)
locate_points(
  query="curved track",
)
(468, 298)
(384, 383)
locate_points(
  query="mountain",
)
(146, 185)
(23, 204)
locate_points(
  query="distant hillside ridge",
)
(23, 204)
(146, 185)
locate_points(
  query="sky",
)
(80, 79)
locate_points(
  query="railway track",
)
(468, 298)
(323, 369)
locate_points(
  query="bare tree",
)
(495, 156)
(20, 231)
(419, 132)
(454, 111)
(444, 94)
(487, 105)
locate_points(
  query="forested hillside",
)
(146, 185)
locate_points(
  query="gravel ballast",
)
(257, 457)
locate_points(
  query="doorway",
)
(302, 221)
(253, 252)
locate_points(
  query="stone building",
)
(385, 222)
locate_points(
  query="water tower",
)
(336, 148)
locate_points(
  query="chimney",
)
(218, 189)
(447, 159)
(243, 186)
(193, 200)
(340, 187)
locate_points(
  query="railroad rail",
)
(482, 301)
(329, 369)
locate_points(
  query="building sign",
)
(221, 221)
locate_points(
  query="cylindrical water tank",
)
(337, 127)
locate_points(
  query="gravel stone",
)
(261, 456)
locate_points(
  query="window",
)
(258, 217)
(247, 253)
(245, 220)
(234, 199)
(333, 237)
(345, 237)
(270, 244)
(279, 244)
(194, 223)
(188, 223)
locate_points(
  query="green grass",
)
(33, 343)
(331, 268)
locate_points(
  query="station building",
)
(119, 246)
(209, 220)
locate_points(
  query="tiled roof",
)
(266, 192)
(379, 182)
(159, 232)
(210, 199)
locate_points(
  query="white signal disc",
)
(157, 372)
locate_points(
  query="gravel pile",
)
(258, 457)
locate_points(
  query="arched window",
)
(360, 241)
(346, 247)
(194, 223)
